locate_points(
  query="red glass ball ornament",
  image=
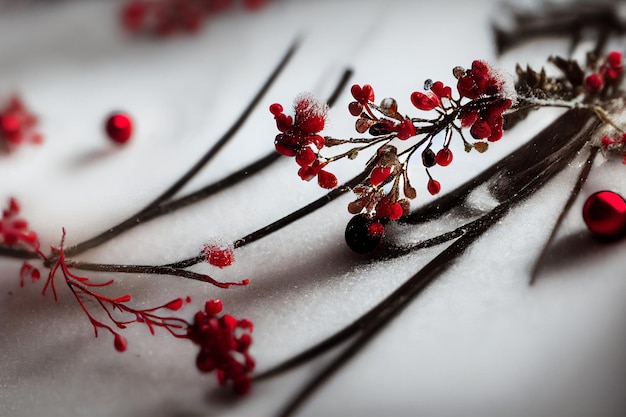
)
(119, 127)
(604, 214)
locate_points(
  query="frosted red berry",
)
(220, 255)
(376, 230)
(604, 214)
(119, 127)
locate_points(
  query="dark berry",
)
(428, 158)
(358, 236)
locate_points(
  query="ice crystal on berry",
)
(220, 255)
(300, 138)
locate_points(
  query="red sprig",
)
(81, 288)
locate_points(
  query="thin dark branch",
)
(239, 175)
(298, 214)
(150, 269)
(582, 178)
(375, 320)
(390, 307)
(18, 253)
(231, 131)
(135, 219)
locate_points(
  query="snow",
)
(478, 341)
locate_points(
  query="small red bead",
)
(444, 157)
(433, 186)
(120, 342)
(604, 214)
(119, 127)
(276, 108)
(213, 307)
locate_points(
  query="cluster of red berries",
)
(166, 17)
(392, 124)
(224, 342)
(483, 97)
(299, 134)
(14, 230)
(18, 124)
(483, 114)
(484, 87)
(609, 74)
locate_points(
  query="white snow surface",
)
(478, 341)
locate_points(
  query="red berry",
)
(441, 90)
(276, 108)
(213, 307)
(363, 94)
(218, 255)
(305, 157)
(119, 127)
(134, 15)
(355, 108)
(444, 157)
(379, 174)
(614, 59)
(326, 179)
(594, 83)
(604, 214)
(433, 186)
(376, 230)
(11, 128)
(395, 211)
(174, 305)
(120, 342)
(423, 101)
(406, 130)
(480, 130)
